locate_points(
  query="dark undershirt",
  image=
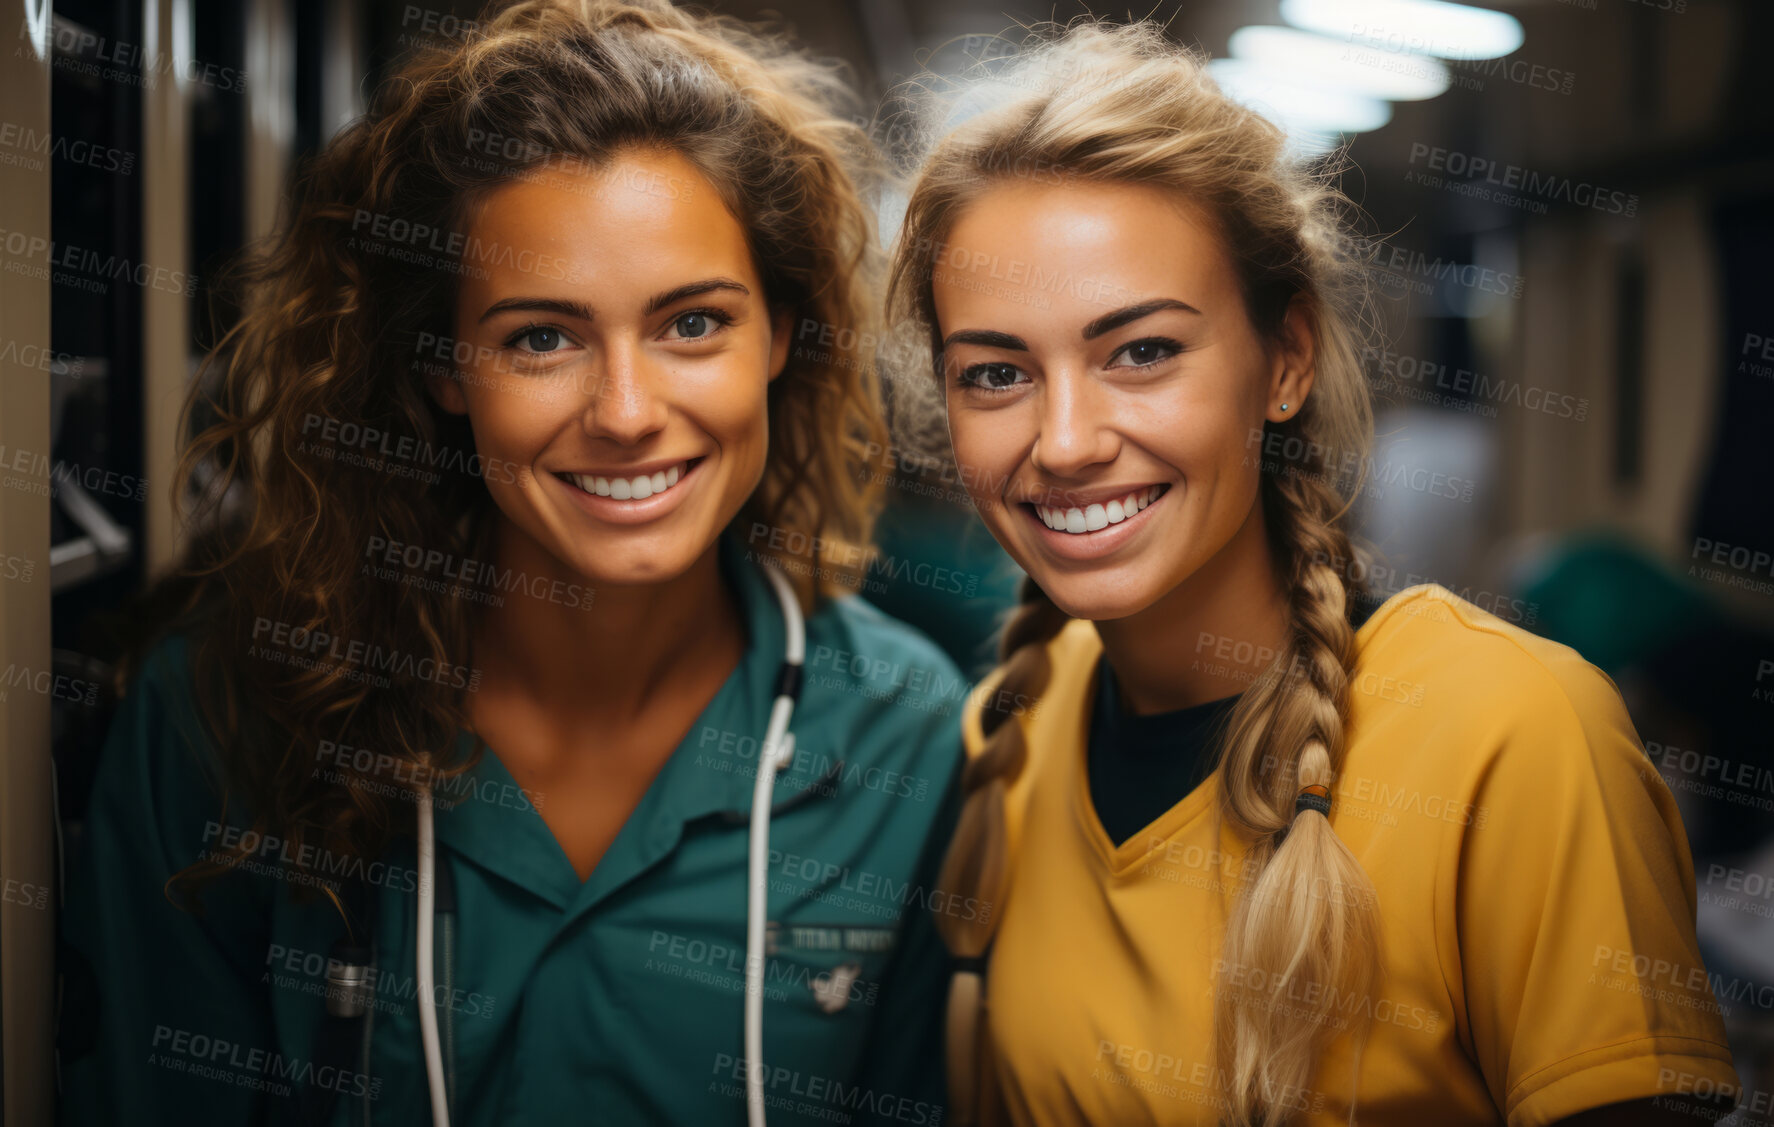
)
(1141, 766)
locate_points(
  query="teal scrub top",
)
(615, 1001)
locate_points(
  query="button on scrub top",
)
(614, 1001)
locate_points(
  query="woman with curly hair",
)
(1261, 851)
(459, 781)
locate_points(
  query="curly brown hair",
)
(309, 433)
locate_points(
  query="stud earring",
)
(1284, 406)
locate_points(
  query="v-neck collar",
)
(493, 827)
(1130, 854)
(1075, 682)
(1117, 739)
(1082, 687)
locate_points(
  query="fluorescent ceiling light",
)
(1354, 68)
(1410, 27)
(1305, 143)
(1292, 104)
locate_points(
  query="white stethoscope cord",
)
(434, 1073)
(777, 751)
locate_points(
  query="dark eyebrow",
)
(540, 305)
(1109, 322)
(986, 337)
(693, 289)
(583, 312)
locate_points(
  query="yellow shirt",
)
(1534, 886)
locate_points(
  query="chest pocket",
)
(830, 967)
(827, 944)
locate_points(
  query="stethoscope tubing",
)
(434, 1072)
(777, 751)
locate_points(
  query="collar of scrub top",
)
(515, 843)
(772, 662)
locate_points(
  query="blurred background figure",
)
(1570, 206)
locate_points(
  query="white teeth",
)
(1099, 516)
(631, 488)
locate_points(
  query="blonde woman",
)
(1254, 856)
(444, 797)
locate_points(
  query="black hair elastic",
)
(1315, 797)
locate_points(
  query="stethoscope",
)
(777, 751)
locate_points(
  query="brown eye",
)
(539, 340)
(991, 377)
(1142, 353)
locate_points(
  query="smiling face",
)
(1103, 381)
(620, 351)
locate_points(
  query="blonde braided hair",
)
(1123, 104)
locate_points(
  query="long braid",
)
(1306, 912)
(977, 862)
